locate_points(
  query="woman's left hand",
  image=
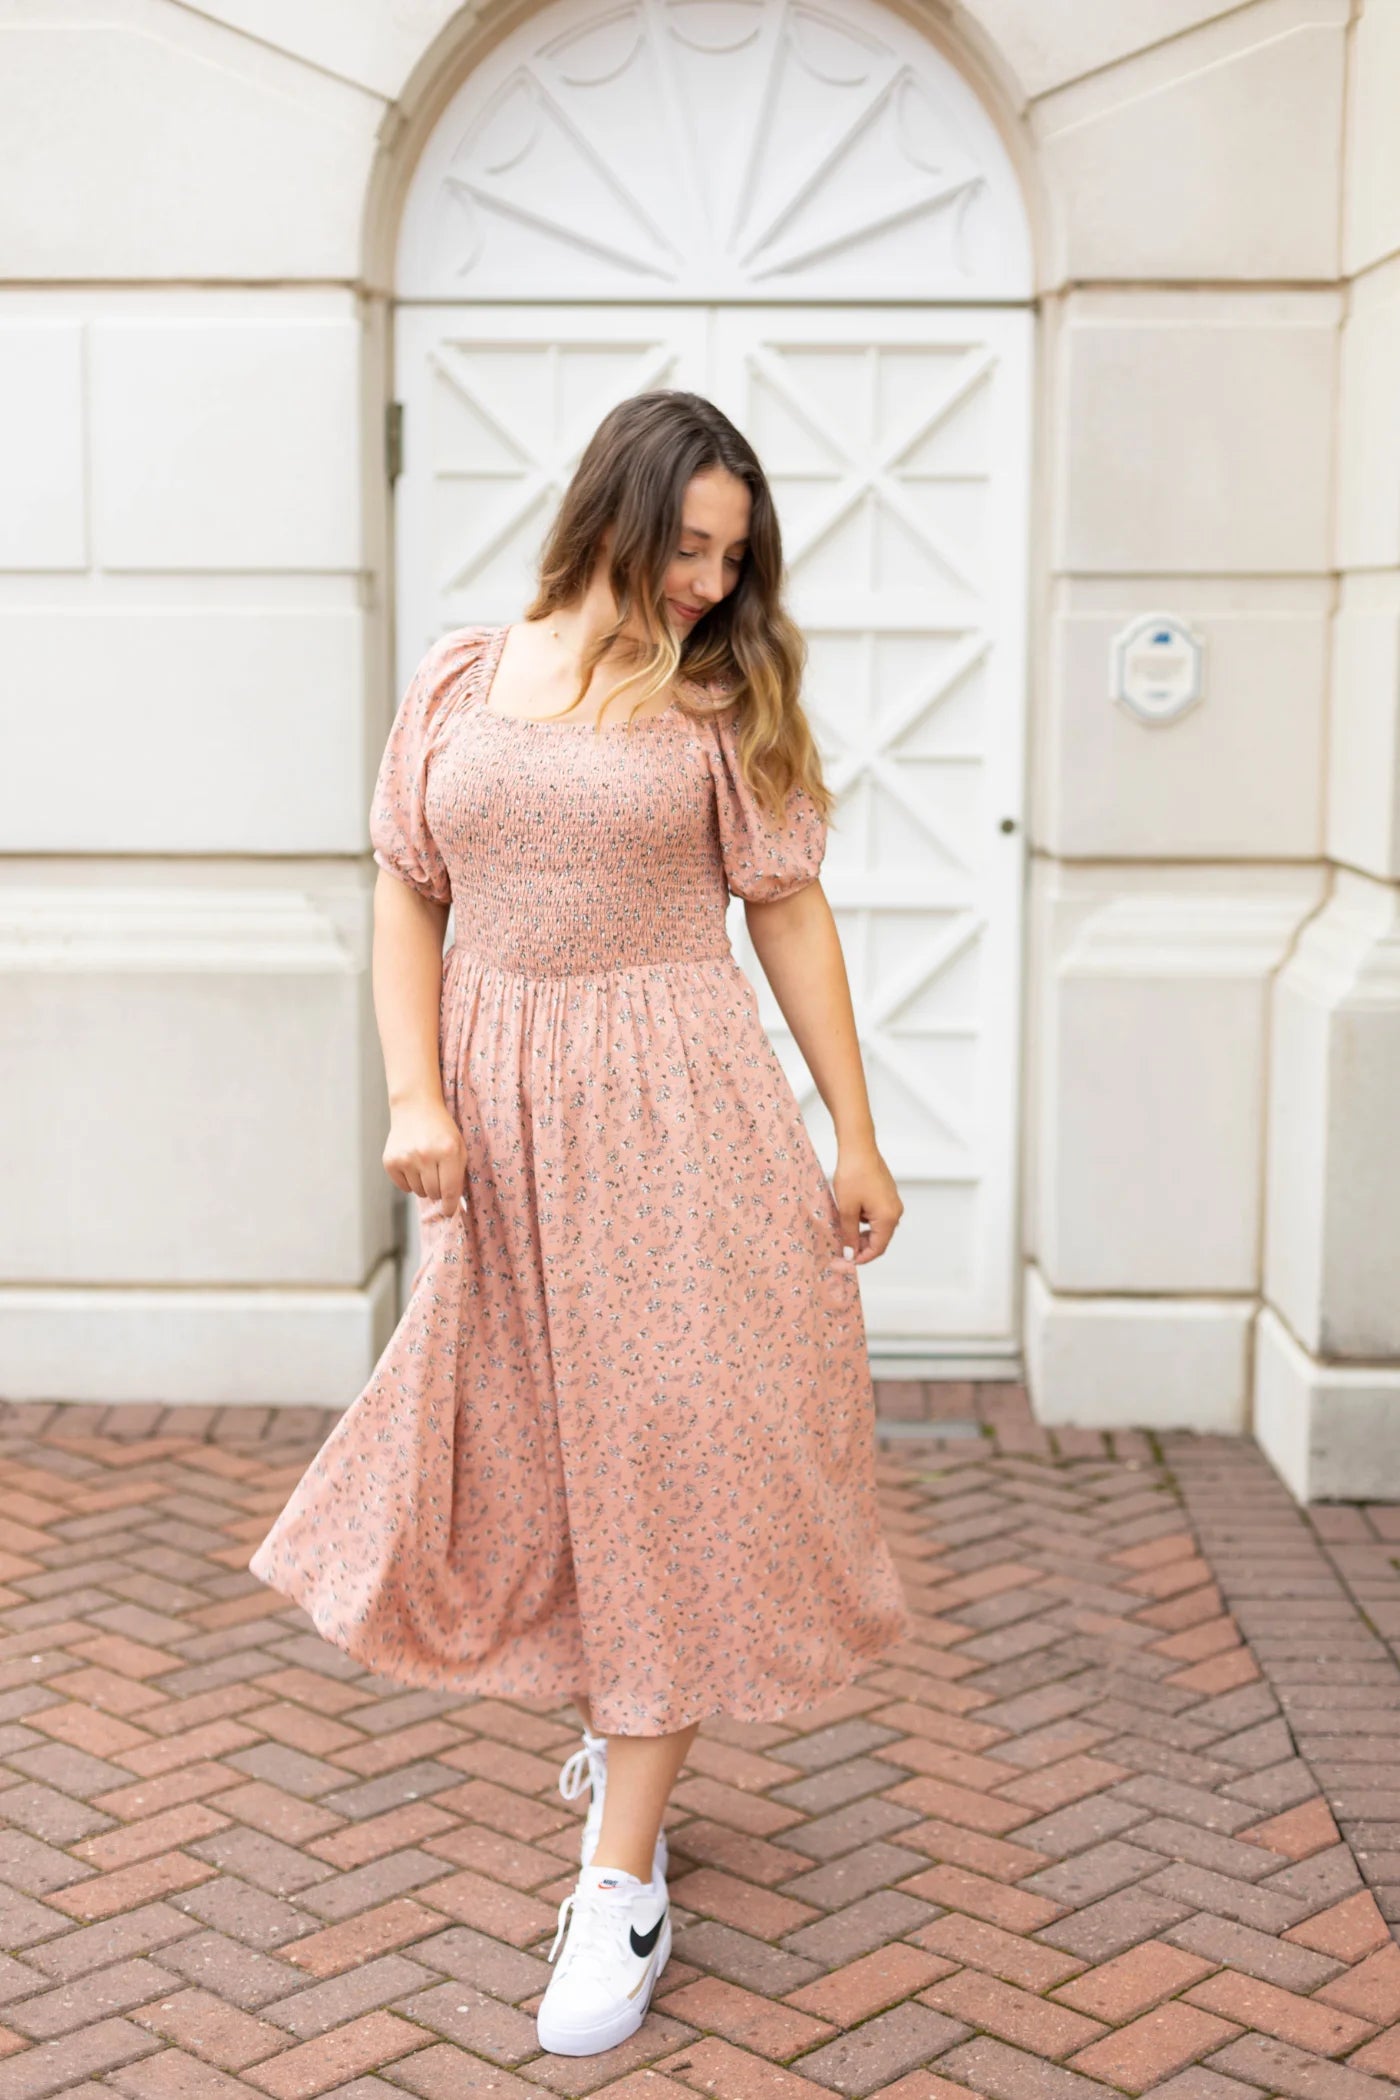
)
(868, 1201)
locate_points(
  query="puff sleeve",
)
(764, 858)
(399, 832)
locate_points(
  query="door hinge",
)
(393, 440)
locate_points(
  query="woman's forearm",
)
(796, 940)
(407, 981)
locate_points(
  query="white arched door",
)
(810, 219)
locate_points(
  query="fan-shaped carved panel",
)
(714, 149)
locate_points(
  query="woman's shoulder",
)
(447, 674)
(460, 649)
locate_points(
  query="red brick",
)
(736, 1852)
(1172, 1577)
(237, 1611)
(1298, 1832)
(955, 1889)
(1157, 1553)
(171, 2074)
(315, 1734)
(1152, 2048)
(1371, 1989)
(101, 1735)
(152, 1834)
(360, 1939)
(742, 2017)
(107, 1691)
(149, 1797)
(516, 1814)
(922, 2085)
(998, 2008)
(1056, 1786)
(906, 2038)
(919, 1753)
(378, 1754)
(112, 1651)
(1323, 2030)
(503, 1913)
(736, 1768)
(939, 1727)
(501, 1858)
(334, 2059)
(1196, 1643)
(725, 1804)
(957, 1804)
(1276, 2067)
(713, 2066)
(1221, 1674)
(355, 1844)
(1350, 1929)
(223, 1702)
(106, 1894)
(1189, 1608)
(324, 1695)
(738, 1903)
(208, 2028)
(271, 1809)
(867, 1986)
(1120, 1989)
(215, 1739)
(997, 1857)
(1004, 1954)
(1050, 1744)
(506, 1767)
(647, 2084)
(1380, 2058)
(526, 1731)
(987, 1582)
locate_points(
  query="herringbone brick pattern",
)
(1317, 1593)
(1060, 1846)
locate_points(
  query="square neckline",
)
(490, 666)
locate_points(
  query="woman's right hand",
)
(425, 1154)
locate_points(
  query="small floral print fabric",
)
(621, 1441)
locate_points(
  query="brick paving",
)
(1123, 1816)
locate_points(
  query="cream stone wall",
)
(1327, 1365)
(195, 635)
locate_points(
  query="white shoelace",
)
(587, 1905)
(586, 1768)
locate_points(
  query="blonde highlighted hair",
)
(746, 651)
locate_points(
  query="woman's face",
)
(710, 554)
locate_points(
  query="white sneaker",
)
(619, 1941)
(588, 1767)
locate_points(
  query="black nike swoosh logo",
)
(643, 1942)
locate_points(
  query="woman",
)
(619, 1449)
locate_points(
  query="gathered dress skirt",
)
(620, 1444)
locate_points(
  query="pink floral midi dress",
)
(621, 1440)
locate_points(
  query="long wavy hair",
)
(746, 651)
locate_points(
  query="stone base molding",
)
(1332, 1430)
(1150, 1029)
(213, 1348)
(1332, 1241)
(1137, 1363)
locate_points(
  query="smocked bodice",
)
(565, 851)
